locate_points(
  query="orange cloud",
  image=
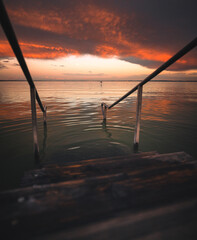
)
(42, 51)
(31, 50)
(76, 27)
(106, 51)
(5, 49)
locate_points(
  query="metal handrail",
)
(139, 86)
(10, 34)
(172, 60)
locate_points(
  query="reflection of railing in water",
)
(104, 126)
(139, 87)
(44, 143)
(9, 32)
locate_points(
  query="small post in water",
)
(45, 115)
(34, 123)
(138, 116)
(104, 109)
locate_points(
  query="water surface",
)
(74, 122)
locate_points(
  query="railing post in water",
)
(104, 110)
(34, 122)
(138, 116)
(45, 115)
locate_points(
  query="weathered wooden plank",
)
(132, 166)
(102, 160)
(172, 157)
(69, 205)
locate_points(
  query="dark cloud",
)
(143, 62)
(146, 32)
(155, 64)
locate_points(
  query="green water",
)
(74, 122)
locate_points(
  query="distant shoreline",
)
(99, 80)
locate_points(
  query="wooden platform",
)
(140, 196)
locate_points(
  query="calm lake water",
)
(74, 122)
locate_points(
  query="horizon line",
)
(87, 80)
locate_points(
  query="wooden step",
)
(52, 173)
(138, 185)
(134, 165)
(101, 160)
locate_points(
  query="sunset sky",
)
(100, 39)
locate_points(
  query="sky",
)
(100, 39)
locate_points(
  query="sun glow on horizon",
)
(98, 40)
(72, 67)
